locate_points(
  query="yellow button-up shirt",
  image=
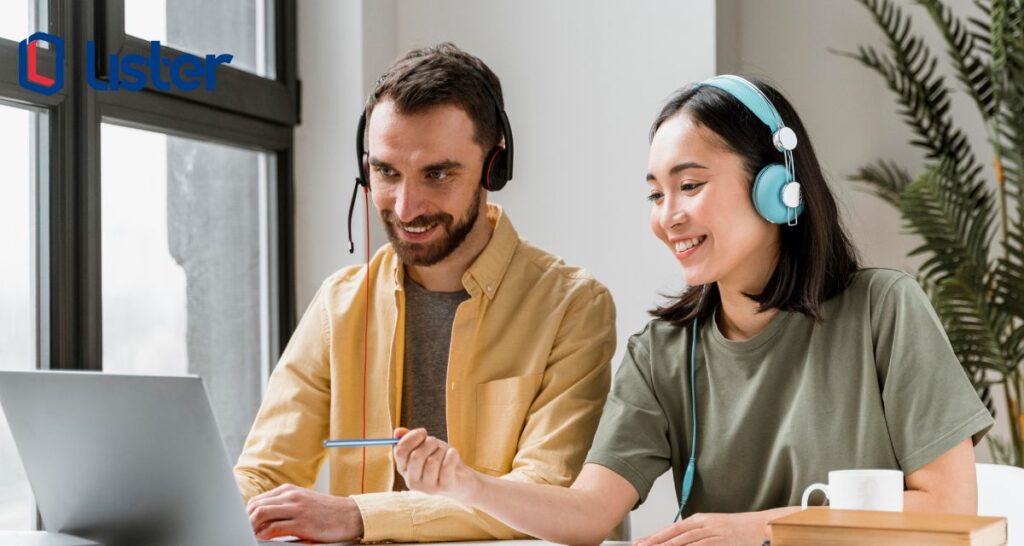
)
(528, 374)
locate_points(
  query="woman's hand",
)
(432, 466)
(743, 529)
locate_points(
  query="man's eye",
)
(437, 175)
(385, 171)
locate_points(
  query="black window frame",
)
(245, 111)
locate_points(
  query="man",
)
(474, 334)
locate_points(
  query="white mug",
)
(861, 490)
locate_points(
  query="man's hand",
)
(432, 466)
(306, 514)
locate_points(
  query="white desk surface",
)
(40, 538)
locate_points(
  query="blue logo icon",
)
(28, 65)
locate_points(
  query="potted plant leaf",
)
(971, 222)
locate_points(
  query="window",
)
(196, 26)
(147, 231)
(184, 262)
(19, 18)
(18, 154)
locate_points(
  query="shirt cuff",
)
(384, 517)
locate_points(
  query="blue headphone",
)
(776, 193)
(777, 198)
(691, 467)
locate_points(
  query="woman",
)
(788, 358)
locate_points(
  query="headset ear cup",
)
(767, 195)
(364, 169)
(495, 175)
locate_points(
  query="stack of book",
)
(828, 527)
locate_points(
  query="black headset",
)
(497, 169)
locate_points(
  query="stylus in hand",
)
(368, 442)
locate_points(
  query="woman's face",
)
(701, 208)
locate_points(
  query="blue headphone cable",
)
(691, 466)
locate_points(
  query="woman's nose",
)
(673, 213)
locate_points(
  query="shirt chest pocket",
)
(501, 408)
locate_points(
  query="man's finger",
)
(276, 529)
(266, 499)
(449, 465)
(432, 467)
(274, 512)
(419, 455)
(416, 461)
(410, 441)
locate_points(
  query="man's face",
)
(425, 179)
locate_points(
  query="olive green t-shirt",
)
(875, 385)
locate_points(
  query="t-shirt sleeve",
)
(632, 437)
(930, 405)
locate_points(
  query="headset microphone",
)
(351, 209)
(362, 180)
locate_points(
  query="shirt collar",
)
(489, 268)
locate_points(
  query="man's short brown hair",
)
(443, 75)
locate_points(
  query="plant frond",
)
(886, 179)
(910, 71)
(972, 71)
(956, 223)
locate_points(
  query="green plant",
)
(972, 226)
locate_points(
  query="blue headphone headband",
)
(776, 193)
(750, 96)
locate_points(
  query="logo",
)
(133, 72)
(28, 66)
(187, 72)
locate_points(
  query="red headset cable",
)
(366, 327)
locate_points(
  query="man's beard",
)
(432, 252)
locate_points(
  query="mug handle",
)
(810, 489)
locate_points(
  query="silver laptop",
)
(125, 460)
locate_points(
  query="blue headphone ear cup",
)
(767, 195)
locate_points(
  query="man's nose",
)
(408, 202)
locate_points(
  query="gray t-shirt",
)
(876, 385)
(428, 336)
(428, 332)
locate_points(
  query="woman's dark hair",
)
(816, 258)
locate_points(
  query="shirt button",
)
(490, 288)
(452, 387)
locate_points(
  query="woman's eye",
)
(654, 197)
(690, 186)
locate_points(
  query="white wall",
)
(850, 114)
(330, 66)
